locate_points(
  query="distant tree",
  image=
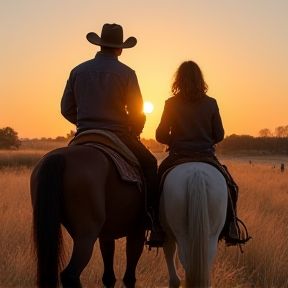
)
(60, 138)
(9, 139)
(286, 131)
(265, 133)
(280, 131)
(71, 134)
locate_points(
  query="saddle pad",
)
(107, 138)
(163, 172)
(127, 172)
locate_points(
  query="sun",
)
(148, 107)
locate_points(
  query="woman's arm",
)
(163, 131)
(217, 126)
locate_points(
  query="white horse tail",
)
(197, 273)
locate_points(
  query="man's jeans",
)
(148, 163)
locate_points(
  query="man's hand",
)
(137, 124)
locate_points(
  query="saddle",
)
(232, 233)
(125, 161)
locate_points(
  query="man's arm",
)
(134, 104)
(217, 127)
(68, 104)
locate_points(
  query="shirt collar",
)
(105, 54)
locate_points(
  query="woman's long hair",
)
(188, 82)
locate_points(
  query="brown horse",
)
(80, 188)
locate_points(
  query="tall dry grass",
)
(20, 159)
(262, 206)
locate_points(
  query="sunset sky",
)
(240, 45)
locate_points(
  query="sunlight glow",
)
(148, 107)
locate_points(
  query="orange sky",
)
(240, 45)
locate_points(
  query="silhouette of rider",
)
(103, 93)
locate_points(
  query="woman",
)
(191, 126)
(190, 121)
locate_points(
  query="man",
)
(103, 93)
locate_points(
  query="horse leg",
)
(107, 248)
(169, 249)
(169, 246)
(134, 249)
(82, 252)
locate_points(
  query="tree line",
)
(280, 132)
(267, 142)
(263, 145)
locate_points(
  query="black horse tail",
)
(46, 220)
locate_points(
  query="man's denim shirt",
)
(102, 93)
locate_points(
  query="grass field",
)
(262, 205)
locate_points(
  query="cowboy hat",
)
(111, 36)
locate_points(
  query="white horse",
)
(193, 209)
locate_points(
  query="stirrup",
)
(154, 239)
(240, 237)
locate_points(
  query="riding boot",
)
(232, 228)
(232, 231)
(156, 237)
